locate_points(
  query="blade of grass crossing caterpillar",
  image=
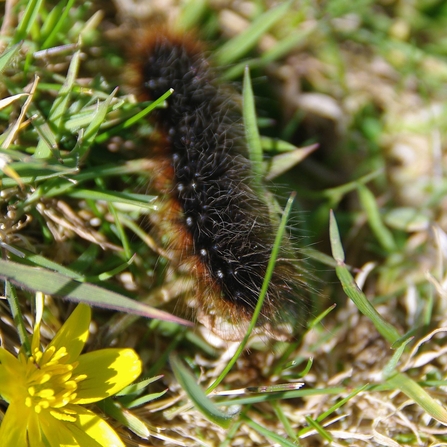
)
(268, 275)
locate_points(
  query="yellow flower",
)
(46, 390)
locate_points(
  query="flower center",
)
(50, 382)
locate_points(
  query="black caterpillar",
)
(228, 224)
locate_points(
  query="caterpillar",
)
(226, 225)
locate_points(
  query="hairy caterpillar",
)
(227, 230)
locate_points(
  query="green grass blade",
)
(60, 104)
(340, 403)
(41, 261)
(27, 21)
(415, 392)
(125, 417)
(134, 200)
(382, 233)
(93, 127)
(134, 119)
(249, 400)
(191, 13)
(145, 399)
(8, 56)
(63, 14)
(119, 229)
(104, 276)
(135, 389)
(335, 195)
(14, 305)
(323, 258)
(282, 417)
(336, 246)
(265, 284)
(39, 170)
(276, 52)
(390, 367)
(36, 172)
(198, 396)
(276, 145)
(230, 434)
(314, 424)
(47, 145)
(282, 163)
(55, 284)
(251, 128)
(284, 46)
(277, 439)
(50, 21)
(351, 289)
(323, 314)
(245, 41)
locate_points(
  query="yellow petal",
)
(34, 431)
(13, 428)
(57, 433)
(108, 371)
(12, 377)
(89, 430)
(91, 426)
(74, 332)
